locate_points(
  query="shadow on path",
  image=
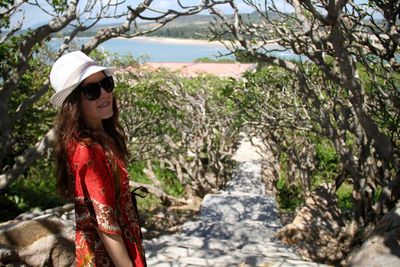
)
(236, 226)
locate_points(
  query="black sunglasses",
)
(92, 91)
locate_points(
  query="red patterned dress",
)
(97, 207)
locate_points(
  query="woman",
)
(91, 156)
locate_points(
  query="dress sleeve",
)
(95, 185)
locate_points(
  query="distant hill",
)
(197, 26)
(192, 27)
(206, 19)
(191, 20)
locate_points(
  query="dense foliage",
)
(180, 130)
(184, 123)
(334, 113)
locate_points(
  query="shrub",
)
(289, 195)
(344, 195)
(35, 190)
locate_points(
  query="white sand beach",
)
(175, 40)
(166, 40)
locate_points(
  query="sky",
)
(34, 16)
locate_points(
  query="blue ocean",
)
(157, 50)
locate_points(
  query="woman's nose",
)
(104, 92)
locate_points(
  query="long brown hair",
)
(71, 127)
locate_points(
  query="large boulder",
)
(318, 230)
(382, 248)
(44, 239)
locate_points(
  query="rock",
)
(7, 255)
(67, 208)
(382, 248)
(38, 239)
(25, 233)
(51, 250)
(317, 228)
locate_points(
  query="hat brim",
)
(58, 98)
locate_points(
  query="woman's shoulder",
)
(85, 151)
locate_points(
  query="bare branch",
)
(165, 198)
(27, 158)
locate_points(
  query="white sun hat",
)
(68, 72)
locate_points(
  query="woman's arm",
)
(116, 249)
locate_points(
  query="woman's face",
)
(99, 109)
